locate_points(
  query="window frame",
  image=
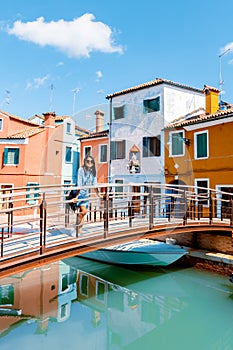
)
(32, 198)
(170, 143)
(147, 107)
(85, 153)
(100, 153)
(68, 128)
(196, 134)
(120, 110)
(119, 182)
(208, 186)
(69, 160)
(118, 150)
(152, 142)
(5, 156)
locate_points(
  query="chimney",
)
(49, 119)
(211, 99)
(99, 118)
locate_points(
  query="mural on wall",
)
(134, 160)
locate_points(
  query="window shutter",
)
(202, 145)
(17, 156)
(5, 155)
(145, 147)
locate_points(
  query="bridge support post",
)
(210, 208)
(185, 208)
(231, 212)
(151, 208)
(67, 215)
(106, 213)
(43, 224)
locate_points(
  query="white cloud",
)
(37, 82)
(75, 38)
(99, 74)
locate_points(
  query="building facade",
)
(137, 119)
(199, 151)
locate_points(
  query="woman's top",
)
(85, 178)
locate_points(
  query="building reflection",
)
(46, 294)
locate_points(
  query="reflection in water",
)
(79, 303)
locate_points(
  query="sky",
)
(66, 56)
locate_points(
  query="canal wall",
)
(209, 251)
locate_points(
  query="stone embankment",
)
(207, 251)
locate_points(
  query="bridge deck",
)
(50, 231)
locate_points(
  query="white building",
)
(138, 116)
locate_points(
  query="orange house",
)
(96, 144)
(199, 150)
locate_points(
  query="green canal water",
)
(81, 304)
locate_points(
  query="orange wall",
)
(101, 168)
(218, 167)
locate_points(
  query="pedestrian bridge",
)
(38, 225)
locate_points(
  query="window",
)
(152, 105)
(11, 156)
(68, 154)
(118, 112)
(87, 151)
(100, 290)
(177, 143)
(103, 154)
(119, 188)
(202, 191)
(68, 128)
(201, 145)
(33, 192)
(83, 284)
(151, 146)
(117, 149)
(1, 124)
(7, 294)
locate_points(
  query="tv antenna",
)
(221, 81)
(75, 91)
(51, 97)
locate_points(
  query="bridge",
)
(38, 225)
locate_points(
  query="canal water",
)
(81, 304)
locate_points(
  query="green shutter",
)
(202, 145)
(17, 156)
(5, 155)
(177, 144)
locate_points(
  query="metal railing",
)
(43, 219)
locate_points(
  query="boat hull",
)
(153, 254)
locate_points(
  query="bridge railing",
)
(45, 211)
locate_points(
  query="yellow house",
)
(199, 148)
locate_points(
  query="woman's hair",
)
(92, 169)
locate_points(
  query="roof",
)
(201, 118)
(17, 118)
(93, 135)
(154, 82)
(26, 133)
(81, 130)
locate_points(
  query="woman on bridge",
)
(86, 177)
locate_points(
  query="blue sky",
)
(66, 55)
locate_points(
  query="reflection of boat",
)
(231, 278)
(141, 252)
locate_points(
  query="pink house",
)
(33, 154)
